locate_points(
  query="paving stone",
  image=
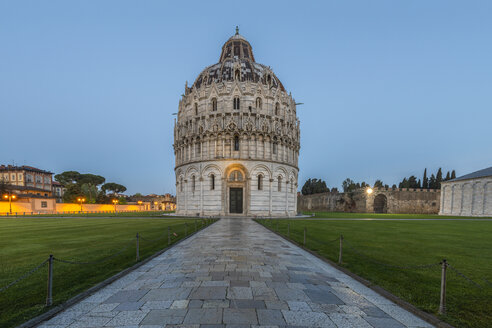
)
(179, 304)
(163, 317)
(204, 316)
(207, 304)
(239, 283)
(308, 319)
(208, 293)
(344, 320)
(378, 322)
(270, 317)
(129, 306)
(277, 305)
(195, 304)
(247, 304)
(239, 293)
(320, 296)
(127, 318)
(240, 316)
(264, 293)
(289, 294)
(156, 305)
(299, 306)
(126, 296)
(167, 294)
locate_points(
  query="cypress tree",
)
(439, 178)
(448, 176)
(453, 175)
(425, 180)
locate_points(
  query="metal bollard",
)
(288, 230)
(138, 248)
(304, 236)
(49, 298)
(442, 304)
(341, 250)
(169, 235)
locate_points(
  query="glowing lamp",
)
(369, 191)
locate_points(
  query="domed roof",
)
(237, 62)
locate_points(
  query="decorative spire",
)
(237, 30)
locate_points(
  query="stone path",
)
(235, 273)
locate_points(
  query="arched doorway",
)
(236, 190)
(380, 204)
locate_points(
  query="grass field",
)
(467, 246)
(26, 242)
(345, 215)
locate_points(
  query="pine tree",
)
(453, 175)
(419, 185)
(432, 182)
(425, 180)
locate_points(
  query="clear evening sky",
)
(389, 87)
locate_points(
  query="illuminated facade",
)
(236, 140)
(27, 180)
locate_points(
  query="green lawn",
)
(26, 242)
(345, 215)
(467, 246)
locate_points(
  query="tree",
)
(349, 185)
(438, 178)
(403, 183)
(91, 179)
(425, 180)
(5, 187)
(393, 187)
(453, 175)
(72, 191)
(448, 176)
(314, 186)
(378, 184)
(432, 182)
(68, 177)
(114, 187)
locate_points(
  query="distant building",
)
(58, 190)
(28, 180)
(468, 195)
(166, 202)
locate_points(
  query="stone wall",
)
(472, 197)
(380, 201)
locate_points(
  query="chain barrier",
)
(98, 261)
(464, 276)
(24, 276)
(404, 267)
(153, 240)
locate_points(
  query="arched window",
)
(236, 103)
(212, 182)
(214, 104)
(274, 147)
(193, 183)
(269, 80)
(277, 109)
(198, 147)
(236, 143)
(258, 103)
(181, 185)
(260, 182)
(196, 109)
(236, 176)
(279, 183)
(237, 75)
(291, 186)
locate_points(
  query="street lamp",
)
(81, 200)
(115, 201)
(140, 204)
(10, 197)
(369, 190)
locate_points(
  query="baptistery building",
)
(236, 140)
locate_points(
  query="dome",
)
(237, 62)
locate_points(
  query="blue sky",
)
(390, 87)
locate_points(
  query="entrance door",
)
(236, 200)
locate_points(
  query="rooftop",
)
(477, 174)
(22, 168)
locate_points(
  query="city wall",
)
(49, 206)
(395, 201)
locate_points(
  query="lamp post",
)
(369, 190)
(115, 201)
(81, 200)
(10, 196)
(140, 204)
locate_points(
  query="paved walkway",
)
(235, 273)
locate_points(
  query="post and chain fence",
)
(343, 244)
(171, 235)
